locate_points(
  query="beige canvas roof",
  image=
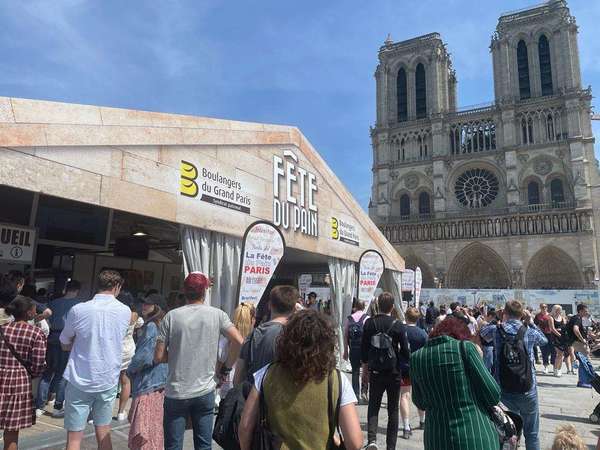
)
(130, 160)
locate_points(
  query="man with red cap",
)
(188, 341)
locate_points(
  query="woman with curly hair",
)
(452, 385)
(295, 389)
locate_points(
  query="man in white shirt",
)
(94, 333)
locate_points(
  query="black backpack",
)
(516, 375)
(382, 356)
(225, 432)
(355, 331)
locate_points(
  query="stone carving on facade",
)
(394, 175)
(542, 166)
(523, 158)
(411, 181)
(429, 171)
(438, 193)
(449, 163)
(589, 274)
(382, 197)
(499, 158)
(512, 186)
(561, 154)
(579, 179)
(517, 278)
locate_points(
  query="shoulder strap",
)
(501, 330)
(362, 319)
(521, 333)
(351, 320)
(391, 326)
(14, 352)
(333, 414)
(262, 404)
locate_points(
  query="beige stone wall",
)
(130, 161)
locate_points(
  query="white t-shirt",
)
(348, 395)
(96, 329)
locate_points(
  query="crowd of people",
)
(272, 372)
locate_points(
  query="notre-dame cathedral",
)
(503, 195)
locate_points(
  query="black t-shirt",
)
(382, 323)
(576, 320)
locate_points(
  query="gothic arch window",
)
(424, 203)
(421, 91)
(557, 193)
(550, 134)
(402, 93)
(402, 149)
(545, 65)
(533, 193)
(527, 130)
(523, 68)
(404, 205)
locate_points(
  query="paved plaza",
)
(561, 403)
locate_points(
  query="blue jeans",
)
(526, 405)
(488, 358)
(201, 411)
(52, 379)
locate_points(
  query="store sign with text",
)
(408, 280)
(213, 187)
(17, 244)
(263, 248)
(370, 270)
(294, 192)
(344, 231)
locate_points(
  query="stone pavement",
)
(561, 403)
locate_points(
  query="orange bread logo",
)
(187, 184)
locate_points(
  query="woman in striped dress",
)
(456, 393)
(29, 343)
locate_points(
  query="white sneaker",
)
(545, 370)
(121, 417)
(557, 373)
(372, 446)
(58, 413)
(39, 412)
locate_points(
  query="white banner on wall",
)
(370, 270)
(418, 283)
(263, 248)
(408, 280)
(16, 244)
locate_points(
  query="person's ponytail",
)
(19, 307)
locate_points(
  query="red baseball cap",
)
(196, 282)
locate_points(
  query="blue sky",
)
(308, 63)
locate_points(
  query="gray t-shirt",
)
(259, 348)
(191, 335)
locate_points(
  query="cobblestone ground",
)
(560, 400)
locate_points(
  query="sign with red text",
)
(370, 270)
(418, 283)
(408, 280)
(262, 250)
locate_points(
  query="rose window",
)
(476, 188)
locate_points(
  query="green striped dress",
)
(456, 399)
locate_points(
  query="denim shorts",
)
(80, 404)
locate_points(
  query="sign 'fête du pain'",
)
(370, 270)
(263, 249)
(294, 191)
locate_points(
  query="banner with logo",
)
(370, 270)
(408, 280)
(16, 244)
(418, 284)
(262, 250)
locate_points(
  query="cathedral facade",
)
(503, 195)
